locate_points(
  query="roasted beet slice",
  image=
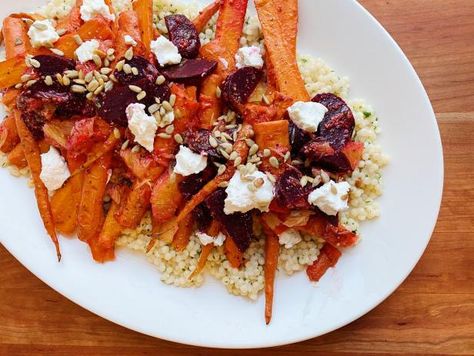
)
(288, 191)
(298, 138)
(239, 85)
(34, 122)
(145, 70)
(77, 105)
(239, 226)
(192, 184)
(338, 123)
(50, 65)
(115, 101)
(203, 217)
(198, 141)
(184, 35)
(190, 72)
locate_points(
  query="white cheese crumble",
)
(86, 51)
(188, 162)
(331, 198)
(244, 193)
(142, 126)
(92, 8)
(54, 170)
(165, 51)
(42, 33)
(129, 40)
(289, 238)
(249, 57)
(206, 239)
(307, 115)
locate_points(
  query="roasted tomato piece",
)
(239, 85)
(239, 226)
(190, 72)
(184, 35)
(50, 65)
(146, 70)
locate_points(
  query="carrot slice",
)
(232, 252)
(11, 71)
(135, 206)
(144, 10)
(32, 154)
(205, 15)
(166, 197)
(328, 257)
(185, 229)
(15, 35)
(287, 75)
(16, 157)
(90, 216)
(8, 134)
(213, 231)
(128, 24)
(272, 251)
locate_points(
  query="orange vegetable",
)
(353, 152)
(11, 71)
(56, 132)
(135, 206)
(98, 151)
(207, 249)
(141, 164)
(32, 154)
(16, 157)
(8, 135)
(65, 205)
(232, 252)
(240, 146)
(166, 197)
(90, 216)
(9, 98)
(206, 14)
(15, 35)
(328, 257)
(144, 10)
(73, 20)
(185, 229)
(283, 59)
(128, 24)
(272, 251)
(211, 106)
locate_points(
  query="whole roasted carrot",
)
(232, 252)
(15, 35)
(185, 229)
(135, 205)
(206, 14)
(272, 251)
(32, 155)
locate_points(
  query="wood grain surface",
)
(432, 312)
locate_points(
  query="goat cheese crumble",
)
(249, 57)
(188, 162)
(207, 240)
(42, 33)
(165, 51)
(331, 198)
(92, 8)
(245, 193)
(289, 238)
(54, 170)
(86, 51)
(142, 126)
(307, 115)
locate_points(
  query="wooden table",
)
(432, 312)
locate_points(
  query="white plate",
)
(129, 292)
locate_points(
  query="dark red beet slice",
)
(338, 123)
(190, 72)
(184, 35)
(298, 138)
(50, 65)
(192, 184)
(115, 101)
(203, 217)
(288, 191)
(145, 70)
(77, 105)
(239, 226)
(239, 85)
(198, 141)
(34, 122)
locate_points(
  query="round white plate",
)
(129, 292)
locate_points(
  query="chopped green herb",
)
(367, 114)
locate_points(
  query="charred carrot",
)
(206, 14)
(135, 205)
(15, 35)
(32, 154)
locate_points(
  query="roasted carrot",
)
(73, 20)
(141, 164)
(11, 71)
(128, 24)
(16, 157)
(211, 107)
(8, 134)
(242, 149)
(328, 257)
(10, 96)
(185, 229)
(206, 14)
(32, 154)
(90, 216)
(144, 10)
(65, 204)
(272, 251)
(15, 35)
(166, 197)
(232, 252)
(213, 231)
(135, 205)
(287, 76)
